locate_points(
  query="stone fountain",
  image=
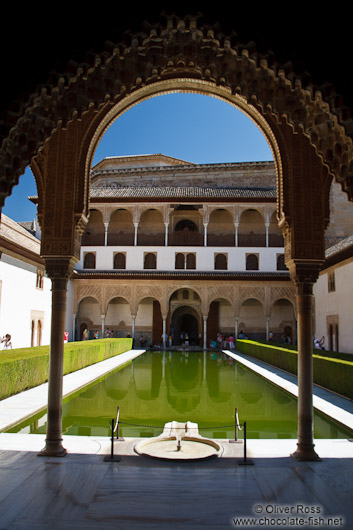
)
(179, 441)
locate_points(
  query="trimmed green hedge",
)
(333, 374)
(26, 368)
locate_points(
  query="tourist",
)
(85, 334)
(241, 335)
(270, 336)
(142, 340)
(66, 336)
(7, 342)
(319, 344)
(231, 342)
(96, 335)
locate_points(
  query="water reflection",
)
(202, 387)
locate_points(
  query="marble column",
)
(166, 234)
(236, 225)
(205, 332)
(133, 327)
(58, 270)
(304, 294)
(106, 226)
(205, 234)
(267, 327)
(135, 235)
(267, 226)
(164, 333)
(103, 324)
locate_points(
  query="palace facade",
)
(174, 249)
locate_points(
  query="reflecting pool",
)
(202, 387)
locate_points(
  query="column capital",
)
(304, 274)
(59, 268)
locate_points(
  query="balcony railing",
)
(176, 239)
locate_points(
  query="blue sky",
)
(195, 128)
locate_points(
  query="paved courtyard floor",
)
(82, 491)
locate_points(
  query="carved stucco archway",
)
(58, 128)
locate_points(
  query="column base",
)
(305, 453)
(53, 449)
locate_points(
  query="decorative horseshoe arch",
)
(57, 130)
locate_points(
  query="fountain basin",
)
(181, 442)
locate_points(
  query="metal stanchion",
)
(117, 426)
(112, 457)
(245, 461)
(236, 426)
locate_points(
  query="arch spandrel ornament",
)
(178, 56)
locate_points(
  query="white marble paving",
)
(83, 492)
(329, 403)
(20, 406)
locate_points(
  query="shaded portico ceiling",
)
(314, 47)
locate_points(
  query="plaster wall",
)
(166, 257)
(335, 305)
(21, 302)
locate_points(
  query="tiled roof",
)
(338, 247)
(175, 192)
(15, 233)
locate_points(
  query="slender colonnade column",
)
(305, 445)
(59, 273)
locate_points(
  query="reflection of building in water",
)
(182, 250)
(156, 388)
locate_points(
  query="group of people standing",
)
(223, 342)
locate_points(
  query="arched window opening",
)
(252, 262)
(330, 337)
(150, 261)
(39, 333)
(33, 327)
(89, 261)
(119, 261)
(281, 266)
(179, 261)
(220, 262)
(191, 261)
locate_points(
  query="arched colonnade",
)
(157, 225)
(130, 310)
(57, 130)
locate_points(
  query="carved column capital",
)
(304, 274)
(59, 268)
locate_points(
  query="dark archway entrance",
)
(185, 323)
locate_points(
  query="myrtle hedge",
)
(331, 370)
(24, 368)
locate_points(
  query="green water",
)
(201, 387)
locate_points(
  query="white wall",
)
(335, 304)
(166, 257)
(21, 299)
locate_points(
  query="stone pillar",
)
(133, 327)
(267, 327)
(106, 226)
(236, 329)
(267, 226)
(74, 327)
(205, 332)
(236, 225)
(304, 279)
(103, 324)
(164, 333)
(205, 234)
(58, 270)
(135, 236)
(166, 234)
